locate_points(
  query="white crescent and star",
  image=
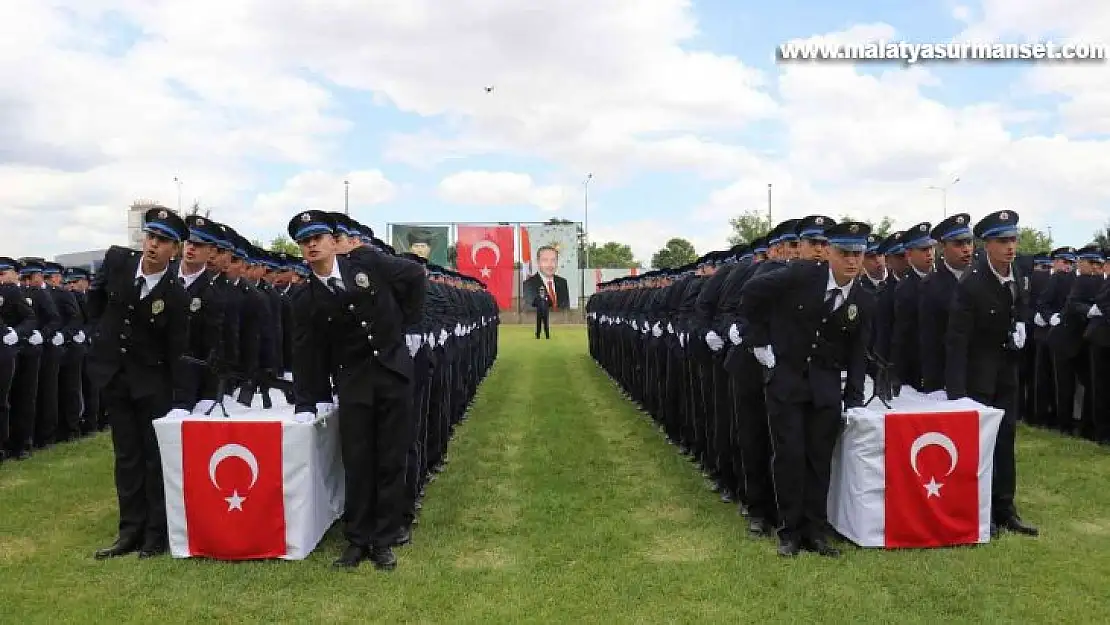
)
(233, 450)
(932, 489)
(485, 244)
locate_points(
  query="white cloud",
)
(314, 189)
(501, 188)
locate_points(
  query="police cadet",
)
(71, 357)
(986, 329)
(17, 323)
(936, 291)
(77, 282)
(205, 317)
(1098, 337)
(905, 341)
(883, 326)
(1048, 308)
(348, 331)
(230, 295)
(37, 363)
(812, 326)
(812, 244)
(1067, 339)
(874, 272)
(139, 309)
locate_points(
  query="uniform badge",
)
(852, 312)
(362, 280)
(853, 228)
(1003, 215)
(1025, 283)
(200, 221)
(157, 306)
(305, 217)
(195, 304)
(819, 221)
(163, 215)
(960, 219)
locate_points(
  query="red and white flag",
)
(932, 479)
(233, 489)
(915, 475)
(487, 253)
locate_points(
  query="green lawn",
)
(561, 503)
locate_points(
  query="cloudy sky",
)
(678, 108)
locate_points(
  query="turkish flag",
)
(233, 489)
(932, 479)
(486, 253)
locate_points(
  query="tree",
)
(1102, 236)
(748, 227)
(885, 227)
(612, 255)
(1033, 241)
(675, 253)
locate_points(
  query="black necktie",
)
(830, 300)
(139, 282)
(334, 284)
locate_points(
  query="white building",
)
(135, 221)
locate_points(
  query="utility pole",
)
(346, 197)
(177, 181)
(586, 200)
(944, 195)
(770, 222)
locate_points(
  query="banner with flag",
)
(916, 475)
(254, 486)
(487, 253)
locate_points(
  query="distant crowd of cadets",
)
(81, 352)
(734, 355)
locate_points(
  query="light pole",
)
(177, 181)
(770, 223)
(586, 202)
(944, 195)
(346, 197)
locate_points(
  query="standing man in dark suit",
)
(883, 327)
(348, 333)
(937, 290)
(818, 326)
(17, 322)
(40, 401)
(1071, 347)
(547, 263)
(71, 354)
(542, 304)
(206, 311)
(986, 330)
(77, 282)
(1098, 339)
(905, 346)
(139, 308)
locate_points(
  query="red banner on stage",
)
(932, 479)
(486, 253)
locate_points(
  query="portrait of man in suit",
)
(547, 262)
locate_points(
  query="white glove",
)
(682, 340)
(1093, 311)
(734, 335)
(79, 337)
(304, 417)
(203, 406)
(656, 331)
(11, 338)
(324, 408)
(1039, 320)
(442, 337)
(765, 355)
(177, 413)
(941, 395)
(645, 329)
(36, 338)
(1054, 320)
(635, 326)
(714, 341)
(670, 328)
(412, 341)
(57, 339)
(458, 330)
(1019, 335)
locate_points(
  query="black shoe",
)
(821, 547)
(119, 548)
(758, 527)
(1016, 525)
(351, 557)
(23, 454)
(726, 496)
(994, 530)
(383, 558)
(153, 549)
(404, 538)
(789, 547)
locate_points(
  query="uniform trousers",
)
(375, 432)
(8, 357)
(138, 462)
(802, 440)
(24, 398)
(46, 425)
(1004, 481)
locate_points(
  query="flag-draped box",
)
(915, 475)
(253, 486)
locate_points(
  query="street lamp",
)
(586, 200)
(177, 181)
(346, 197)
(944, 195)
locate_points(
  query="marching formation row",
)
(200, 315)
(740, 356)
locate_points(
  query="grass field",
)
(562, 503)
